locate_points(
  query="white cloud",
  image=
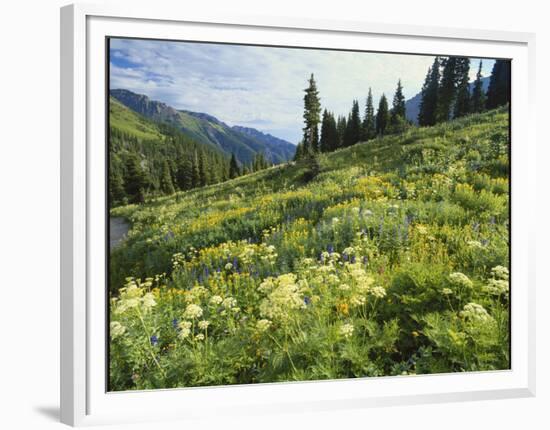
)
(255, 86)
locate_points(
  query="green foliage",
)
(382, 116)
(398, 111)
(368, 128)
(498, 93)
(427, 114)
(447, 88)
(234, 170)
(478, 95)
(312, 111)
(390, 259)
(329, 140)
(352, 134)
(462, 105)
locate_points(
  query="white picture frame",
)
(84, 400)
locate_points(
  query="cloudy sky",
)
(261, 87)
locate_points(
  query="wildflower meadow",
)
(386, 258)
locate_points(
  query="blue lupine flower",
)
(175, 323)
(345, 257)
(330, 249)
(307, 300)
(235, 262)
(206, 272)
(218, 270)
(154, 340)
(353, 259)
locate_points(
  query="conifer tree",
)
(398, 112)
(203, 170)
(333, 138)
(312, 111)
(324, 145)
(116, 186)
(447, 89)
(430, 93)
(166, 184)
(298, 154)
(352, 134)
(369, 121)
(498, 93)
(462, 100)
(341, 126)
(136, 180)
(184, 178)
(478, 95)
(195, 172)
(382, 116)
(234, 170)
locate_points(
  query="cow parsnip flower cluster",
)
(460, 280)
(134, 297)
(346, 330)
(476, 313)
(282, 296)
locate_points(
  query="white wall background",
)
(29, 214)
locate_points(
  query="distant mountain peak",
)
(204, 128)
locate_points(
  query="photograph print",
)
(284, 214)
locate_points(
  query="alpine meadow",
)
(282, 214)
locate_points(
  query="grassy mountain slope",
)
(127, 121)
(207, 129)
(393, 260)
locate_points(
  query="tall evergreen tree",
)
(184, 178)
(498, 93)
(341, 126)
(462, 99)
(352, 134)
(382, 116)
(299, 153)
(166, 184)
(234, 170)
(203, 170)
(430, 93)
(312, 111)
(195, 171)
(398, 112)
(329, 133)
(478, 95)
(447, 89)
(136, 180)
(324, 144)
(116, 186)
(369, 121)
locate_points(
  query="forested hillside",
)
(150, 158)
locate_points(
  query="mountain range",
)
(203, 128)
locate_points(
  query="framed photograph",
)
(283, 214)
